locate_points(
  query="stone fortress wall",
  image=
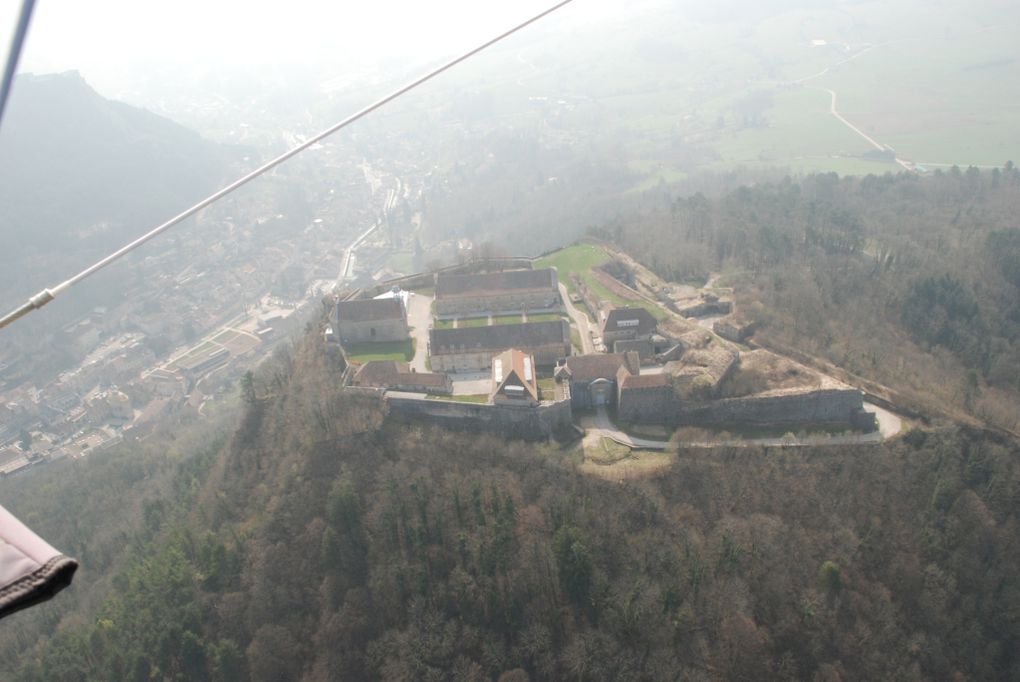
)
(511, 421)
(825, 406)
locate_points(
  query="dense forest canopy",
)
(911, 281)
(323, 542)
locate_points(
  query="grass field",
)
(508, 319)
(444, 324)
(547, 388)
(938, 106)
(579, 258)
(575, 339)
(401, 261)
(470, 398)
(801, 134)
(473, 322)
(544, 317)
(393, 350)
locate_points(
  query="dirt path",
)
(580, 321)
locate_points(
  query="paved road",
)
(874, 143)
(889, 423)
(345, 264)
(602, 426)
(580, 321)
(851, 126)
(419, 317)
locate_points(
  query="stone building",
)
(398, 376)
(646, 398)
(513, 378)
(592, 380)
(371, 321)
(511, 290)
(701, 371)
(628, 324)
(469, 349)
(734, 328)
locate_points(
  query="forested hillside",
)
(910, 281)
(321, 542)
(81, 175)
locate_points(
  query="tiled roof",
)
(638, 320)
(644, 381)
(369, 310)
(515, 368)
(584, 368)
(497, 338)
(489, 283)
(389, 373)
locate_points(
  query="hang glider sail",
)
(31, 571)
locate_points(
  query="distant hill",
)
(79, 172)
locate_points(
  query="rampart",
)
(828, 406)
(825, 406)
(511, 421)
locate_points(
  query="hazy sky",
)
(108, 40)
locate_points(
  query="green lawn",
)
(607, 451)
(402, 261)
(471, 398)
(509, 319)
(604, 293)
(392, 350)
(580, 258)
(547, 388)
(544, 317)
(473, 322)
(444, 324)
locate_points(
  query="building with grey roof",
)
(627, 324)
(592, 379)
(469, 349)
(371, 320)
(496, 291)
(398, 376)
